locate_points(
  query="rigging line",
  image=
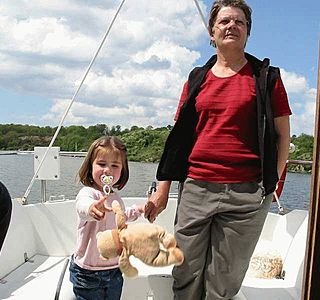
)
(70, 104)
(201, 14)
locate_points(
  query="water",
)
(16, 172)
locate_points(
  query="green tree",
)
(303, 151)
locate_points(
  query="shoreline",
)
(296, 166)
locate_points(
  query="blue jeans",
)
(96, 285)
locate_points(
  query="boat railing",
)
(299, 162)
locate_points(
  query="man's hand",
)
(155, 205)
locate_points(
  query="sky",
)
(47, 45)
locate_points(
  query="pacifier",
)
(107, 183)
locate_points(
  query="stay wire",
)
(201, 14)
(70, 104)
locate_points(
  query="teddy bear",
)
(150, 243)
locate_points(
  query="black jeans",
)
(5, 212)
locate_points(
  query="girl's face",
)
(106, 164)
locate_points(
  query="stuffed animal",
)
(148, 242)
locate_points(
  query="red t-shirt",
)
(226, 147)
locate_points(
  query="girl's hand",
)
(97, 209)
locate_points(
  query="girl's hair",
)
(218, 4)
(107, 144)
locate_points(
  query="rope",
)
(59, 285)
(280, 207)
(201, 14)
(70, 104)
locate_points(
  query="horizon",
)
(138, 75)
(122, 128)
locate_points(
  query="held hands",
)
(97, 209)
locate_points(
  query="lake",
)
(16, 172)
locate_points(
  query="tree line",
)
(143, 144)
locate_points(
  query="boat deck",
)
(49, 248)
(30, 281)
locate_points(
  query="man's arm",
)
(282, 127)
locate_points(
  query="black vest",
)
(174, 161)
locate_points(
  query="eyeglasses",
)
(226, 21)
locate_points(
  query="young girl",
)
(93, 277)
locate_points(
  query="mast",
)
(311, 279)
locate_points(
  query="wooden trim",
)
(311, 279)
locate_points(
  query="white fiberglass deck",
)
(45, 233)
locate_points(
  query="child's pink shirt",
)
(86, 254)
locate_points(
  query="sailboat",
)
(35, 256)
